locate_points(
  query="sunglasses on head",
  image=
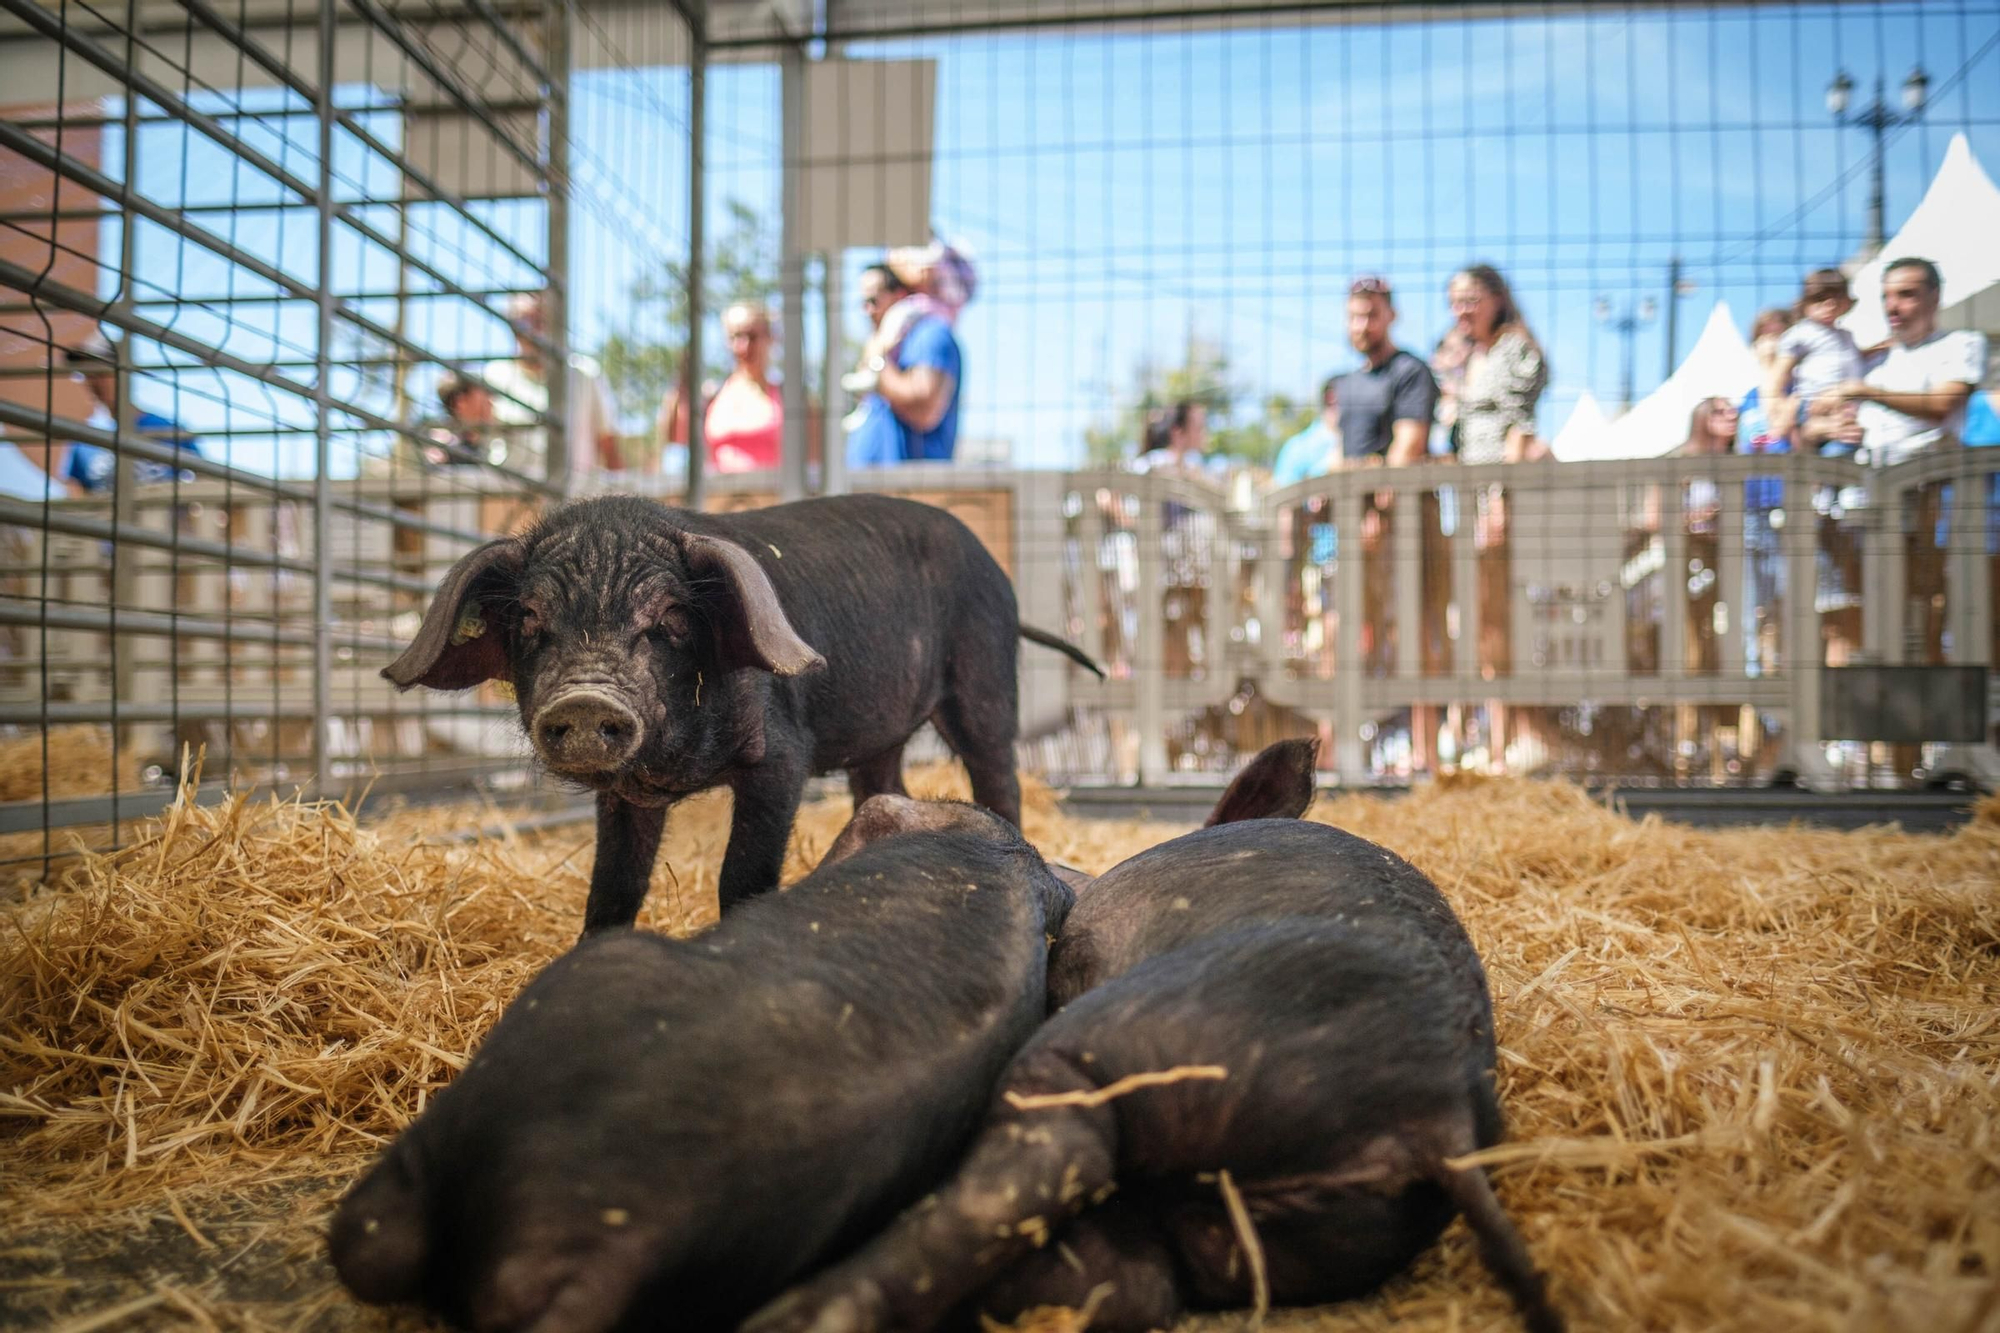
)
(1369, 286)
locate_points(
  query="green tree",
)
(1250, 435)
(642, 355)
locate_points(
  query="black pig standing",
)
(1334, 985)
(664, 1129)
(655, 653)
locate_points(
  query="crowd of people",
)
(1475, 398)
(1822, 392)
(906, 383)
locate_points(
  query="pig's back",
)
(801, 1072)
(1332, 1034)
(886, 589)
(1353, 1058)
(1223, 878)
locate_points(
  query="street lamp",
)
(1878, 118)
(1626, 326)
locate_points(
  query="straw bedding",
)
(72, 761)
(1751, 1075)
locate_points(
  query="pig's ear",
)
(458, 646)
(1277, 784)
(882, 817)
(1076, 879)
(750, 625)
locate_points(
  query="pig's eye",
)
(531, 624)
(674, 625)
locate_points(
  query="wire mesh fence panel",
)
(280, 288)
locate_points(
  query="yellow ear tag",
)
(470, 627)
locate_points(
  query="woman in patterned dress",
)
(1490, 371)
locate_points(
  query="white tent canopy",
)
(1586, 425)
(1720, 364)
(1954, 226)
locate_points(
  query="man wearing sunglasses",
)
(912, 416)
(1385, 406)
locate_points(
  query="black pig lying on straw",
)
(655, 653)
(673, 1130)
(1274, 1037)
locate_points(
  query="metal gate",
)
(247, 251)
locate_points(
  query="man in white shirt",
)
(521, 395)
(1914, 397)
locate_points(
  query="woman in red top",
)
(745, 419)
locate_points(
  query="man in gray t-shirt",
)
(1385, 406)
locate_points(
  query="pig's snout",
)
(586, 732)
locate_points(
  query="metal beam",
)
(45, 156)
(50, 519)
(420, 56)
(696, 13)
(64, 428)
(123, 71)
(792, 269)
(59, 714)
(261, 56)
(171, 625)
(30, 816)
(557, 465)
(84, 303)
(970, 17)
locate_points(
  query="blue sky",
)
(1124, 188)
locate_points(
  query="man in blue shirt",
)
(913, 414)
(92, 468)
(1314, 451)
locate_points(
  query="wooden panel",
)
(989, 513)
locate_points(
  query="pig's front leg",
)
(628, 839)
(1114, 1261)
(1028, 1171)
(760, 827)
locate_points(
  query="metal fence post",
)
(792, 267)
(1149, 659)
(1349, 759)
(1802, 652)
(696, 15)
(558, 468)
(1465, 589)
(322, 635)
(1674, 584)
(833, 399)
(1730, 559)
(1971, 571)
(1406, 575)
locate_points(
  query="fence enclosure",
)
(272, 233)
